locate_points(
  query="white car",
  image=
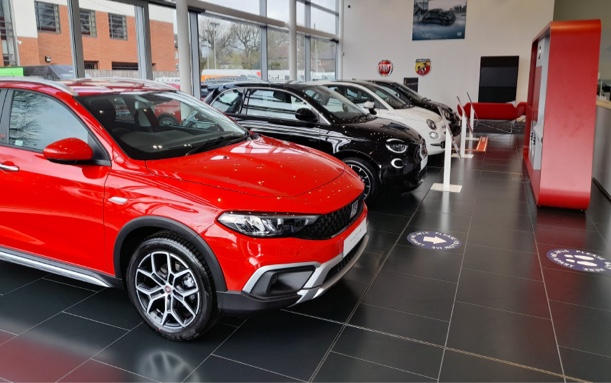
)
(368, 96)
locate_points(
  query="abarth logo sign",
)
(354, 208)
(385, 67)
(423, 66)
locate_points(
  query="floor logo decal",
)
(433, 240)
(579, 260)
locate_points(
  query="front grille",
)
(337, 268)
(329, 225)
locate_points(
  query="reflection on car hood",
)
(381, 129)
(415, 114)
(263, 167)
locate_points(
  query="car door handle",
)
(9, 168)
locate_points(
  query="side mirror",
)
(370, 106)
(68, 150)
(306, 114)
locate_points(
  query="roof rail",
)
(129, 80)
(35, 80)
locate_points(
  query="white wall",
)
(382, 29)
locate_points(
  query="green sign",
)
(11, 72)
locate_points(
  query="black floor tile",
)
(380, 242)
(502, 219)
(402, 354)
(440, 221)
(502, 261)
(110, 306)
(446, 204)
(566, 219)
(397, 323)
(73, 282)
(480, 330)
(459, 367)
(420, 262)
(145, 353)
(342, 368)
(53, 349)
(285, 343)
(14, 276)
(515, 193)
(518, 240)
(586, 366)
(25, 308)
(216, 369)
(582, 328)
(571, 238)
(386, 222)
(517, 295)
(413, 295)
(404, 204)
(92, 371)
(336, 304)
(580, 288)
(366, 267)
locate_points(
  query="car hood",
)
(381, 129)
(262, 167)
(415, 113)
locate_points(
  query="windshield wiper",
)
(229, 139)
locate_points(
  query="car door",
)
(48, 209)
(271, 112)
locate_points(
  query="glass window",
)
(273, 104)
(164, 49)
(117, 26)
(324, 21)
(329, 4)
(230, 50)
(322, 59)
(230, 101)
(88, 23)
(250, 6)
(278, 56)
(334, 103)
(279, 10)
(38, 120)
(47, 17)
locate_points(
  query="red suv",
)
(194, 219)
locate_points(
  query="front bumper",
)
(324, 276)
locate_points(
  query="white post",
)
(293, 39)
(463, 132)
(472, 120)
(184, 51)
(447, 164)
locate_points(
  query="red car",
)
(194, 220)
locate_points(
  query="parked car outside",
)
(384, 153)
(440, 16)
(409, 95)
(195, 220)
(371, 97)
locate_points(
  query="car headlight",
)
(266, 225)
(447, 115)
(434, 135)
(431, 124)
(395, 145)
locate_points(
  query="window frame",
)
(38, 15)
(112, 27)
(93, 30)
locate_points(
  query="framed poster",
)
(439, 19)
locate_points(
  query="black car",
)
(439, 16)
(384, 153)
(409, 95)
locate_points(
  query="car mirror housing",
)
(306, 114)
(68, 150)
(370, 106)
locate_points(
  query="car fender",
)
(177, 227)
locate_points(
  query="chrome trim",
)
(397, 163)
(9, 168)
(72, 274)
(54, 84)
(118, 200)
(313, 287)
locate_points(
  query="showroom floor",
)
(492, 309)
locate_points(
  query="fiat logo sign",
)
(385, 67)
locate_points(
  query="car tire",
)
(368, 176)
(171, 287)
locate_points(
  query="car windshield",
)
(334, 103)
(407, 90)
(394, 102)
(158, 125)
